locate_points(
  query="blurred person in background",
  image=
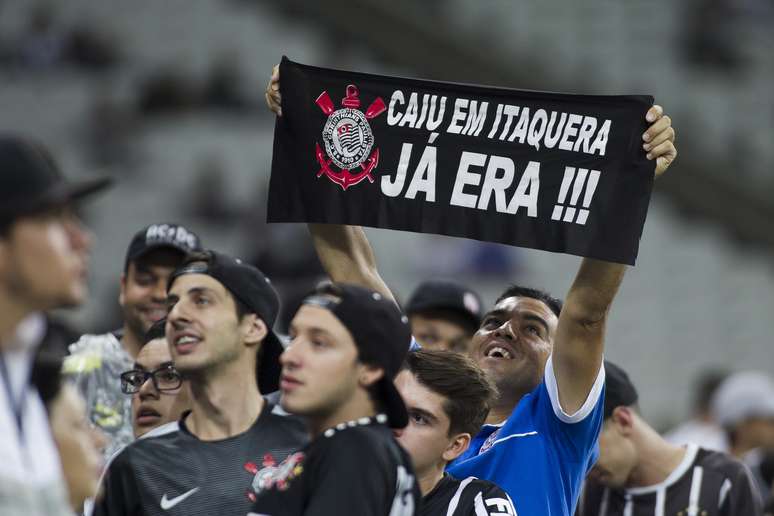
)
(96, 361)
(43, 44)
(702, 429)
(744, 406)
(444, 315)
(44, 256)
(447, 397)
(159, 393)
(638, 472)
(79, 444)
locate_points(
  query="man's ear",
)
(369, 375)
(254, 330)
(457, 447)
(623, 418)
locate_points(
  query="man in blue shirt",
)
(546, 361)
(540, 436)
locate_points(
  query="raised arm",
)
(346, 256)
(579, 342)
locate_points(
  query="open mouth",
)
(186, 343)
(499, 351)
(147, 416)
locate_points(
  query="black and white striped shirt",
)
(468, 497)
(706, 483)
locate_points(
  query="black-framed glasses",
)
(165, 378)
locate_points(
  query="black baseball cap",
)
(31, 181)
(619, 389)
(171, 236)
(380, 331)
(447, 295)
(254, 290)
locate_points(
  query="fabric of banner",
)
(559, 172)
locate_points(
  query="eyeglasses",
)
(164, 379)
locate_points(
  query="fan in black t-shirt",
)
(210, 462)
(447, 396)
(639, 473)
(337, 373)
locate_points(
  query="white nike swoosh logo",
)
(167, 504)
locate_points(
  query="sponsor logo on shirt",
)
(273, 475)
(168, 503)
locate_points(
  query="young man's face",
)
(514, 342)
(144, 289)
(44, 260)
(151, 407)
(437, 333)
(617, 456)
(320, 368)
(202, 326)
(426, 438)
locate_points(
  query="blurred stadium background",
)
(167, 97)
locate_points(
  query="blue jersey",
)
(540, 454)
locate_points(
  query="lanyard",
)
(17, 406)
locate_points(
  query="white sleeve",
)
(588, 405)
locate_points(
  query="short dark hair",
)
(551, 302)
(457, 378)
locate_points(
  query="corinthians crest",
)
(348, 139)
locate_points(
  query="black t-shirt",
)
(356, 469)
(468, 497)
(171, 472)
(706, 483)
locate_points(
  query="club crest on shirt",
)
(272, 475)
(348, 139)
(489, 442)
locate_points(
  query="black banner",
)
(551, 171)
